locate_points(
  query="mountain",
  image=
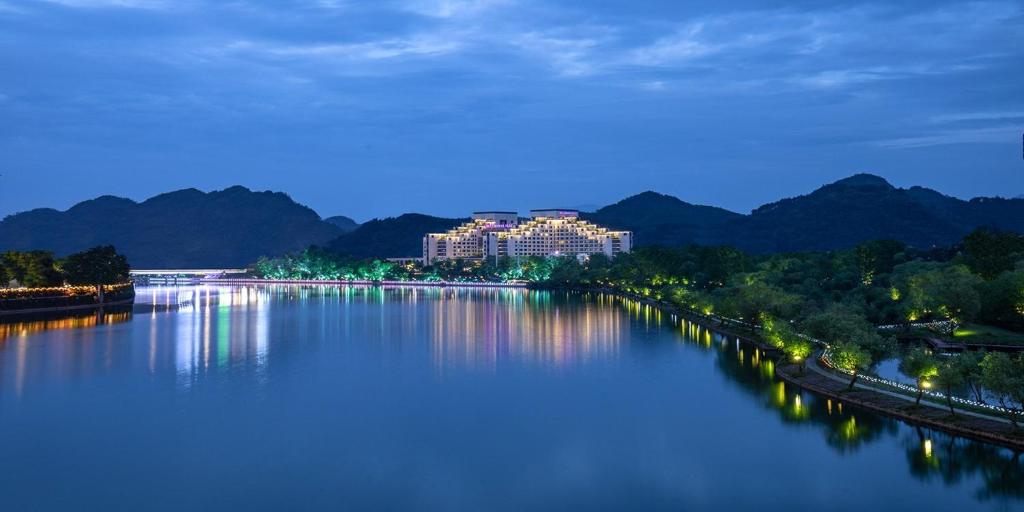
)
(835, 216)
(659, 219)
(343, 223)
(400, 236)
(181, 229)
(866, 207)
(235, 226)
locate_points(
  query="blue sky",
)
(374, 108)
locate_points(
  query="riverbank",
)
(935, 416)
(414, 284)
(19, 302)
(963, 424)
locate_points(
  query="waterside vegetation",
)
(876, 301)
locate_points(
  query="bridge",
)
(183, 275)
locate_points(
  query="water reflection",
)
(250, 336)
(24, 328)
(68, 358)
(930, 454)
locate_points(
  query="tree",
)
(952, 374)
(843, 324)
(1003, 376)
(749, 299)
(851, 358)
(877, 257)
(799, 349)
(969, 365)
(943, 291)
(990, 253)
(1002, 300)
(96, 266)
(920, 365)
(32, 269)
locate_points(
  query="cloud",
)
(993, 135)
(568, 56)
(680, 47)
(103, 4)
(454, 8)
(373, 50)
(1011, 115)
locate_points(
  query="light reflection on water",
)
(517, 383)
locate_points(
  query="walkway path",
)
(813, 365)
(967, 424)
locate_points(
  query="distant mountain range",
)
(233, 227)
(836, 216)
(342, 222)
(182, 229)
(393, 236)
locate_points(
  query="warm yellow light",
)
(926, 385)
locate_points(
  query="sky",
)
(375, 108)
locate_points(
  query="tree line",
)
(840, 296)
(37, 269)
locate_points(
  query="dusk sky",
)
(375, 108)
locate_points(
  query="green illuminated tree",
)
(1003, 376)
(939, 291)
(32, 269)
(799, 349)
(952, 374)
(852, 358)
(843, 324)
(920, 365)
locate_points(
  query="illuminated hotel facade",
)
(551, 232)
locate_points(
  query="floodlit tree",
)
(952, 374)
(843, 324)
(1003, 376)
(799, 349)
(851, 358)
(920, 365)
(940, 291)
(968, 364)
(32, 269)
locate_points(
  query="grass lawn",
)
(970, 333)
(977, 333)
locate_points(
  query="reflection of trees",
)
(933, 455)
(845, 431)
(929, 454)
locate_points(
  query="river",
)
(353, 398)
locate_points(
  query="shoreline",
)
(383, 284)
(10, 313)
(926, 415)
(999, 433)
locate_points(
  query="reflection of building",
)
(547, 233)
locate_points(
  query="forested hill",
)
(662, 219)
(866, 207)
(835, 216)
(391, 237)
(235, 226)
(185, 228)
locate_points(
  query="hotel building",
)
(547, 233)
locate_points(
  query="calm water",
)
(288, 398)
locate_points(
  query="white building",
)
(467, 241)
(550, 232)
